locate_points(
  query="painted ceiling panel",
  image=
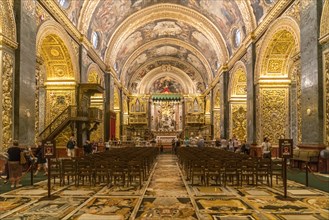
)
(167, 28)
(174, 51)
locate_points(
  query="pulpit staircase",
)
(70, 116)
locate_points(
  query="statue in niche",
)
(137, 106)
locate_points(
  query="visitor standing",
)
(14, 166)
(266, 148)
(70, 147)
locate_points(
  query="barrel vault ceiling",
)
(135, 37)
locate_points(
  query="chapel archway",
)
(56, 78)
(280, 46)
(238, 102)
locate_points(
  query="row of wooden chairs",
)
(120, 166)
(225, 167)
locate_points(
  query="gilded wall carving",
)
(239, 121)
(7, 94)
(274, 109)
(217, 119)
(7, 20)
(324, 26)
(326, 57)
(38, 83)
(57, 101)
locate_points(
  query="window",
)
(94, 39)
(236, 37)
(64, 3)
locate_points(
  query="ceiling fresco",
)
(232, 20)
(169, 50)
(167, 28)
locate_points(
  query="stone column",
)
(311, 74)
(225, 105)
(251, 98)
(106, 113)
(24, 109)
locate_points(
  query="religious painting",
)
(166, 85)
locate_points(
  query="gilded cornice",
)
(8, 42)
(275, 12)
(61, 17)
(166, 11)
(166, 41)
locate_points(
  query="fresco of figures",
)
(138, 75)
(166, 85)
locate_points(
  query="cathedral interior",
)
(141, 73)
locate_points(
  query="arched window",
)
(64, 3)
(236, 37)
(95, 39)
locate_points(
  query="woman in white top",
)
(266, 148)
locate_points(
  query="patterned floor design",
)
(165, 195)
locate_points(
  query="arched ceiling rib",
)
(166, 47)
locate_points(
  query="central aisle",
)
(166, 196)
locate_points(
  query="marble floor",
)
(165, 195)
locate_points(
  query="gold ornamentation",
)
(274, 110)
(326, 72)
(324, 26)
(57, 101)
(7, 21)
(239, 121)
(7, 94)
(57, 58)
(283, 31)
(117, 125)
(217, 119)
(275, 66)
(294, 11)
(38, 83)
(93, 77)
(238, 84)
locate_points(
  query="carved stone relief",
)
(57, 101)
(326, 57)
(7, 94)
(239, 121)
(274, 109)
